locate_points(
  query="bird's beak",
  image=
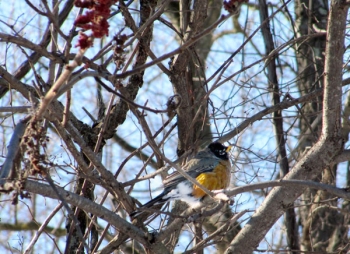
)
(228, 149)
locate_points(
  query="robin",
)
(211, 167)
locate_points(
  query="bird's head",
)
(219, 150)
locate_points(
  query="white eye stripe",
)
(222, 152)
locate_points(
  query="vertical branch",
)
(182, 77)
(54, 37)
(277, 118)
(198, 235)
(52, 93)
(310, 15)
(334, 68)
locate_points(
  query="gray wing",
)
(194, 168)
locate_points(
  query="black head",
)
(219, 150)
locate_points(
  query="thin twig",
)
(66, 109)
(283, 105)
(246, 41)
(187, 176)
(220, 230)
(42, 228)
(147, 24)
(90, 207)
(69, 211)
(19, 109)
(339, 192)
(183, 47)
(124, 98)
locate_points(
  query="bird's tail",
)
(157, 201)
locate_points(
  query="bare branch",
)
(258, 116)
(42, 228)
(90, 207)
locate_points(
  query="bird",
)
(211, 167)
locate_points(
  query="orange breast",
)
(218, 179)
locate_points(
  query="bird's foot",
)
(220, 195)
